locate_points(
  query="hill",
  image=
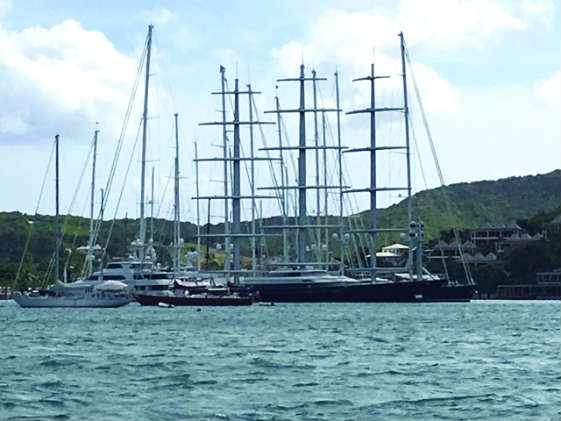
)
(506, 200)
(474, 204)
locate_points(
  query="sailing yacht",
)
(99, 294)
(140, 272)
(304, 282)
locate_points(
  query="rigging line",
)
(358, 222)
(290, 199)
(73, 245)
(30, 232)
(418, 159)
(424, 177)
(158, 225)
(121, 194)
(348, 204)
(67, 218)
(354, 209)
(164, 193)
(466, 267)
(156, 40)
(77, 189)
(269, 161)
(120, 141)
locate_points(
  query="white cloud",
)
(65, 77)
(498, 130)
(448, 24)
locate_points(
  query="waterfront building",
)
(491, 234)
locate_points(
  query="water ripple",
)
(481, 360)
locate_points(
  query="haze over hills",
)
(473, 204)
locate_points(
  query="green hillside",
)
(506, 200)
(473, 204)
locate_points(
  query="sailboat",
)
(60, 294)
(305, 281)
(139, 272)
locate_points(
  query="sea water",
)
(484, 360)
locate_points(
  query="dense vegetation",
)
(532, 201)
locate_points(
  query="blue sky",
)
(488, 74)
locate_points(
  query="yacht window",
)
(114, 266)
(113, 277)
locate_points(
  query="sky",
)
(488, 73)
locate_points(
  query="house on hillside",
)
(518, 241)
(493, 234)
(392, 254)
(449, 250)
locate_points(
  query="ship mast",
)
(252, 180)
(57, 222)
(373, 149)
(408, 155)
(340, 168)
(90, 255)
(144, 134)
(236, 185)
(225, 150)
(176, 219)
(235, 159)
(316, 144)
(302, 225)
(198, 207)
(283, 193)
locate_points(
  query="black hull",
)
(366, 292)
(153, 300)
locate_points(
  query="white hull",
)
(70, 301)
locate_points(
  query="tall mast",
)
(408, 152)
(252, 181)
(91, 239)
(93, 187)
(316, 144)
(234, 157)
(57, 223)
(226, 193)
(325, 191)
(374, 188)
(144, 133)
(198, 207)
(302, 217)
(340, 165)
(177, 226)
(302, 226)
(373, 201)
(236, 185)
(283, 191)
